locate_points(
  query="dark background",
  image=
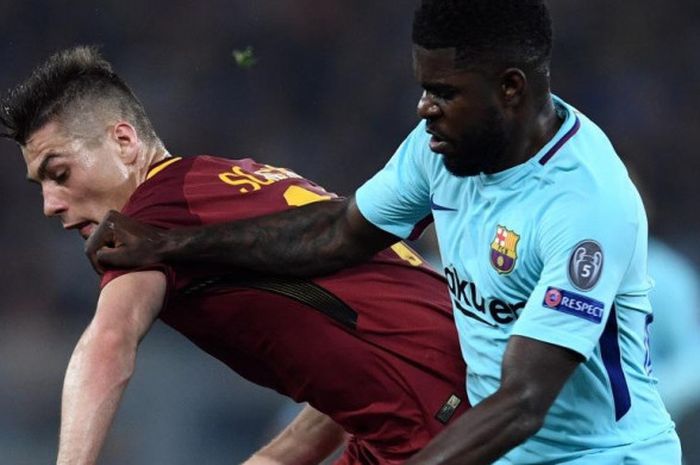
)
(331, 95)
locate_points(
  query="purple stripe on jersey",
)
(647, 348)
(420, 227)
(610, 351)
(551, 152)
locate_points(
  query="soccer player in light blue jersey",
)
(542, 235)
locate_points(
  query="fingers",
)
(121, 242)
(98, 239)
(102, 237)
(112, 258)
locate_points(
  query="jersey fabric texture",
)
(387, 374)
(553, 249)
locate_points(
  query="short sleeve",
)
(151, 214)
(111, 275)
(586, 248)
(158, 203)
(396, 199)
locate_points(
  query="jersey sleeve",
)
(396, 199)
(586, 248)
(158, 202)
(145, 210)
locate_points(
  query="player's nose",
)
(427, 108)
(53, 204)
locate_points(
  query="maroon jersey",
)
(373, 346)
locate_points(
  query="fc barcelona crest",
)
(504, 250)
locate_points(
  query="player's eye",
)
(446, 94)
(60, 177)
(442, 93)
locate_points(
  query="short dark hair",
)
(487, 32)
(69, 84)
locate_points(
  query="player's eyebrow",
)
(41, 171)
(437, 87)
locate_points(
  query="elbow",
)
(528, 413)
(527, 424)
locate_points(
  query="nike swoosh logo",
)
(436, 207)
(473, 315)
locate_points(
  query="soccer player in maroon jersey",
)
(372, 349)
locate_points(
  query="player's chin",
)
(460, 167)
(87, 230)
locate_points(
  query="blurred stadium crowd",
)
(331, 95)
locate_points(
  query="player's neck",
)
(546, 124)
(151, 156)
(540, 126)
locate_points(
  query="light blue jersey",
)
(553, 249)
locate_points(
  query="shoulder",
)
(413, 161)
(164, 193)
(163, 185)
(586, 192)
(587, 176)
(416, 144)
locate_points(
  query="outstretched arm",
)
(103, 361)
(318, 238)
(307, 440)
(533, 373)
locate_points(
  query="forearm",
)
(533, 373)
(307, 440)
(314, 239)
(484, 433)
(96, 377)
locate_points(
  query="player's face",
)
(81, 180)
(462, 111)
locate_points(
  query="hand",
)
(121, 242)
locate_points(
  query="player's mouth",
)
(438, 143)
(84, 228)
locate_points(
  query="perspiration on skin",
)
(82, 180)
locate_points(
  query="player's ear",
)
(125, 135)
(513, 86)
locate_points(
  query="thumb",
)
(111, 258)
